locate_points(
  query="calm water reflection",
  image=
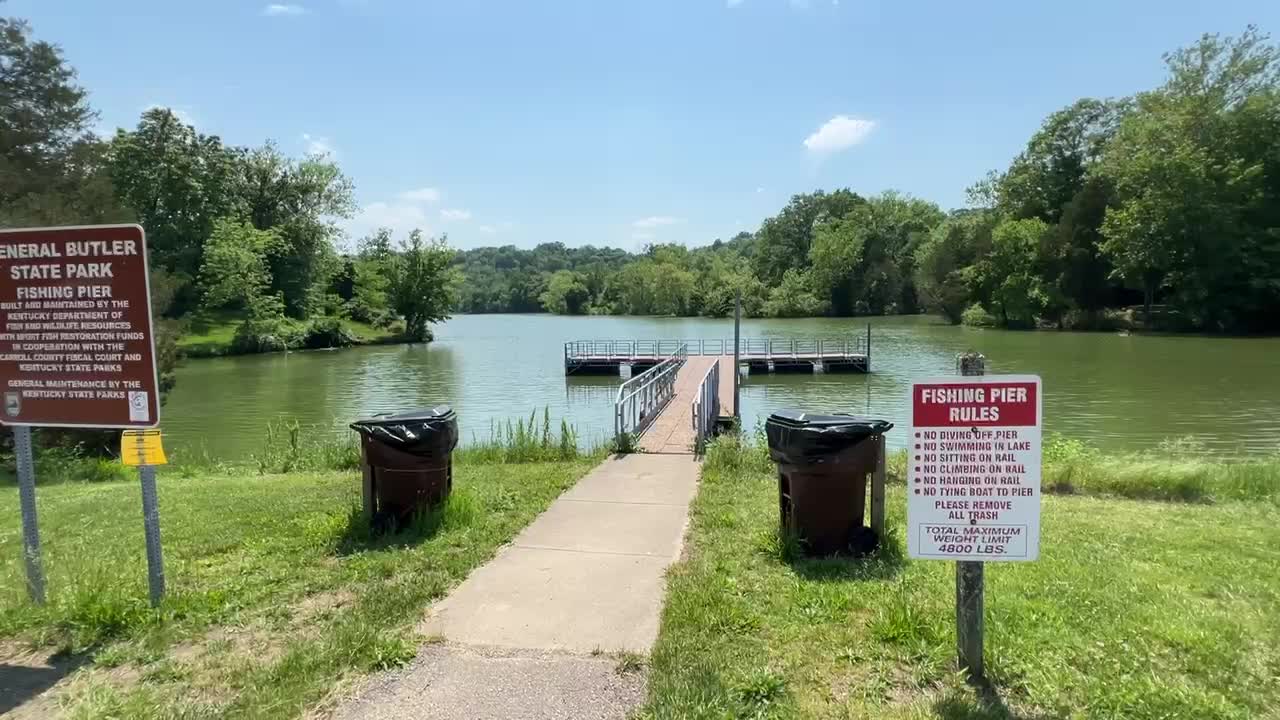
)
(1118, 392)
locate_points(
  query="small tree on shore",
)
(422, 284)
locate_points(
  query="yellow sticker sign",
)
(142, 447)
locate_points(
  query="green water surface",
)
(1118, 392)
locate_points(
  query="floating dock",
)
(759, 354)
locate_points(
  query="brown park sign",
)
(75, 328)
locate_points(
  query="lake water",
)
(1118, 392)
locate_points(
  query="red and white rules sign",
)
(973, 468)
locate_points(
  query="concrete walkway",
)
(523, 634)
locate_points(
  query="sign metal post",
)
(146, 453)
(76, 350)
(30, 528)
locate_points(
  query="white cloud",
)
(641, 235)
(283, 10)
(400, 217)
(317, 145)
(421, 195)
(839, 133)
(184, 116)
(488, 229)
(406, 211)
(656, 221)
(759, 190)
(455, 214)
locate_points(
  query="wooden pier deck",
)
(673, 430)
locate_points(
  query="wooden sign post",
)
(970, 580)
(973, 491)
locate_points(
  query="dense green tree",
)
(234, 270)
(52, 168)
(795, 297)
(723, 275)
(370, 271)
(177, 182)
(1045, 177)
(865, 260)
(783, 241)
(942, 259)
(422, 284)
(1006, 278)
(1189, 188)
(300, 201)
(566, 293)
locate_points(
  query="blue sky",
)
(627, 122)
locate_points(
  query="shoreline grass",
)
(1178, 470)
(1136, 609)
(211, 334)
(289, 446)
(278, 594)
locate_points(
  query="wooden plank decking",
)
(672, 431)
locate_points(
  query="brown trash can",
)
(407, 461)
(823, 466)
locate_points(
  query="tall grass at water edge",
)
(290, 446)
(527, 441)
(1181, 470)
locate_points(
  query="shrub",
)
(977, 316)
(328, 332)
(55, 464)
(1108, 319)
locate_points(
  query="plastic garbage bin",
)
(823, 463)
(407, 460)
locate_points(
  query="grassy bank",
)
(211, 334)
(1136, 609)
(278, 595)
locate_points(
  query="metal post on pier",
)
(737, 348)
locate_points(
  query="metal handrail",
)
(706, 408)
(640, 399)
(759, 347)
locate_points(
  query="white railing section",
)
(640, 399)
(753, 348)
(706, 408)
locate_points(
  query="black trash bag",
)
(425, 432)
(800, 438)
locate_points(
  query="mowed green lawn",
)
(1136, 609)
(277, 595)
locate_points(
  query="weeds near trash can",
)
(525, 441)
(289, 446)
(460, 510)
(733, 453)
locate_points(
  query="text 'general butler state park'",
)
(75, 343)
